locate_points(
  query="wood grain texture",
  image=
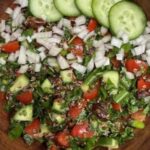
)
(140, 142)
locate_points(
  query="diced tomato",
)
(133, 65)
(77, 46)
(25, 97)
(77, 41)
(17, 74)
(62, 139)
(33, 128)
(2, 96)
(116, 63)
(53, 147)
(143, 83)
(92, 25)
(116, 106)
(81, 130)
(91, 94)
(75, 110)
(139, 115)
(11, 47)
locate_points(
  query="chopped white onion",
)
(90, 65)
(58, 31)
(70, 56)
(9, 11)
(2, 25)
(65, 45)
(129, 75)
(97, 44)
(16, 12)
(78, 29)
(148, 60)
(106, 38)
(23, 3)
(23, 69)
(83, 34)
(139, 50)
(120, 55)
(148, 52)
(103, 31)
(80, 68)
(37, 67)
(60, 24)
(67, 23)
(62, 62)
(147, 30)
(12, 57)
(54, 51)
(2, 61)
(32, 57)
(42, 35)
(99, 55)
(101, 62)
(89, 35)
(79, 59)
(116, 42)
(40, 29)
(52, 62)
(22, 56)
(80, 20)
(42, 56)
(44, 43)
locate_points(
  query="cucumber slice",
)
(67, 7)
(21, 82)
(44, 9)
(127, 17)
(44, 129)
(58, 106)
(101, 10)
(67, 76)
(58, 118)
(113, 76)
(108, 142)
(46, 86)
(85, 6)
(24, 114)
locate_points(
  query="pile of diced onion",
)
(51, 41)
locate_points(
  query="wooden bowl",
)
(140, 142)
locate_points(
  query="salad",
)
(75, 74)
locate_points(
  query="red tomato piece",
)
(33, 128)
(143, 83)
(139, 115)
(116, 106)
(91, 94)
(92, 25)
(133, 65)
(53, 147)
(75, 110)
(11, 47)
(77, 46)
(25, 97)
(62, 139)
(2, 96)
(81, 130)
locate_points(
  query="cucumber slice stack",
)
(118, 15)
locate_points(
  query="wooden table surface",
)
(140, 142)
